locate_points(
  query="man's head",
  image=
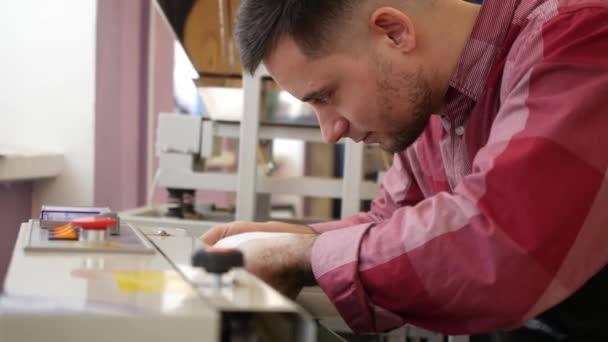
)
(365, 66)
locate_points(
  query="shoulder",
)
(557, 31)
(555, 19)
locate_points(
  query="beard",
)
(402, 95)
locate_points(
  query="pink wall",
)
(122, 98)
(121, 114)
(163, 82)
(15, 208)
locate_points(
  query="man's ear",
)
(394, 25)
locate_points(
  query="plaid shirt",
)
(499, 210)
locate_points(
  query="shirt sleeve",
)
(398, 188)
(519, 234)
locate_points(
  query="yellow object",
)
(149, 281)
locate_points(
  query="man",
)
(493, 215)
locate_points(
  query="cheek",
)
(361, 110)
(361, 114)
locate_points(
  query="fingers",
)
(213, 235)
(282, 227)
(217, 233)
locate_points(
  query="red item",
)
(94, 222)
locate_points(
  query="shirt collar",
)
(486, 39)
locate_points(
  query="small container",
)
(93, 234)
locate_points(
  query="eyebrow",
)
(315, 94)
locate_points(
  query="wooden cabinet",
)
(209, 37)
(206, 30)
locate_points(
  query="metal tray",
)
(130, 240)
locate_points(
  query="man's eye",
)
(322, 100)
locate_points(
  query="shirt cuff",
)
(335, 259)
(350, 221)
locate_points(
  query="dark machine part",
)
(238, 327)
(251, 326)
(181, 204)
(243, 326)
(187, 204)
(174, 208)
(217, 261)
(261, 327)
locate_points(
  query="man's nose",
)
(332, 128)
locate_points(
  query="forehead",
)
(297, 73)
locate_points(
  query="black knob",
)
(217, 260)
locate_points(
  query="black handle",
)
(216, 260)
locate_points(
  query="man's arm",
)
(283, 262)
(521, 233)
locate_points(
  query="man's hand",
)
(217, 233)
(282, 262)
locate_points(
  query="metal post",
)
(353, 176)
(247, 168)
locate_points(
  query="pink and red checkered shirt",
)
(499, 211)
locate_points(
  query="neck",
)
(457, 20)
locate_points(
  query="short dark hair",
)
(311, 23)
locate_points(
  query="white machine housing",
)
(84, 296)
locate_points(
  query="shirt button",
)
(460, 130)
